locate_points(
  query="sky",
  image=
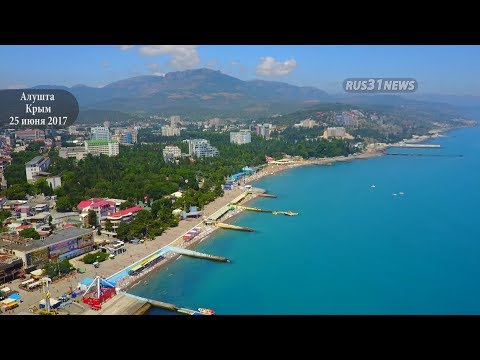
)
(438, 69)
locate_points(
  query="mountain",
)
(190, 91)
(201, 93)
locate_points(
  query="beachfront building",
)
(336, 132)
(36, 165)
(120, 216)
(201, 148)
(11, 267)
(99, 133)
(240, 137)
(63, 244)
(105, 147)
(102, 208)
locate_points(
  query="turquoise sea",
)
(353, 249)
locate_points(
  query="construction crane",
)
(47, 310)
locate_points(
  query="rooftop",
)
(126, 211)
(100, 142)
(56, 237)
(36, 160)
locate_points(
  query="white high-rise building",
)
(170, 131)
(241, 137)
(201, 148)
(100, 133)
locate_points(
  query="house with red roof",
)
(102, 208)
(120, 216)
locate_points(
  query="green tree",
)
(4, 214)
(108, 225)
(30, 233)
(127, 204)
(63, 204)
(15, 192)
(92, 218)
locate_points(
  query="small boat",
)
(401, 193)
(372, 186)
(394, 194)
(206, 311)
(291, 213)
(275, 212)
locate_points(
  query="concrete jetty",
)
(233, 227)
(197, 254)
(407, 145)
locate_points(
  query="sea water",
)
(354, 248)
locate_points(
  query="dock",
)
(416, 146)
(163, 305)
(233, 227)
(250, 208)
(268, 195)
(197, 254)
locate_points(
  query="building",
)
(102, 208)
(171, 152)
(170, 131)
(106, 147)
(201, 148)
(134, 136)
(77, 152)
(11, 267)
(264, 130)
(334, 132)
(30, 135)
(63, 244)
(241, 137)
(120, 216)
(100, 133)
(72, 130)
(54, 181)
(307, 123)
(174, 120)
(36, 165)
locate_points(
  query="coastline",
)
(173, 236)
(268, 170)
(129, 282)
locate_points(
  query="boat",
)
(372, 186)
(394, 194)
(291, 213)
(206, 311)
(401, 193)
(275, 212)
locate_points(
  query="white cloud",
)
(155, 69)
(125, 47)
(268, 66)
(182, 56)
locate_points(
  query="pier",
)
(197, 254)
(233, 227)
(416, 146)
(268, 195)
(250, 208)
(163, 305)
